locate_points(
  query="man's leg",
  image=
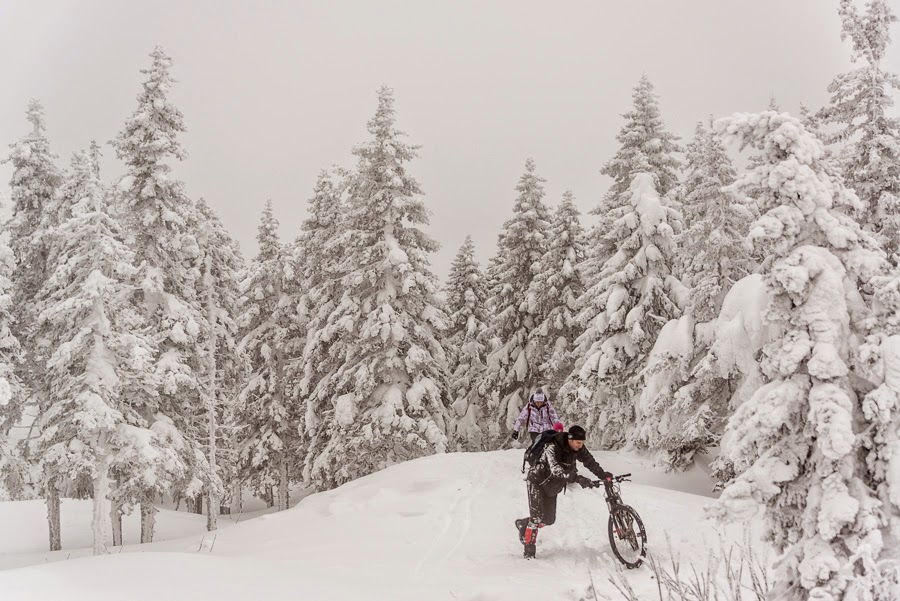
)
(549, 505)
(536, 501)
(534, 508)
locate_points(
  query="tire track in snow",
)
(461, 507)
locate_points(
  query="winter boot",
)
(531, 532)
(521, 525)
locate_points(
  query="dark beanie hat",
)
(577, 433)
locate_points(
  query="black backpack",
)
(536, 449)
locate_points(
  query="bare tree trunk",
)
(270, 497)
(212, 505)
(237, 496)
(148, 520)
(283, 492)
(281, 501)
(115, 518)
(53, 508)
(101, 499)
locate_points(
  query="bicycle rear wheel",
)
(627, 536)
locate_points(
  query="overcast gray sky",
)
(274, 91)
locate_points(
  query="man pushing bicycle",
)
(549, 476)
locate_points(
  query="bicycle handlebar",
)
(621, 478)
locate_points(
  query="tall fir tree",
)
(93, 336)
(382, 392)
(513, 365)
(33, 186)
(466, 294)
(316, 264)
(685, 400)
(861, 108)
(268, 413)
(225, 368)
(795, 444)
(624, 313)
(878, 440)
(555, 291)
(12, 393)
(159, 215)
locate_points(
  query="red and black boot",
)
(531, 532)
(521, 525)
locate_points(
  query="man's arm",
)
(585, 457)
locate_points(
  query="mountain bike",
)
(627, 536)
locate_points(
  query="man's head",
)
(576, 437)
(539, 397)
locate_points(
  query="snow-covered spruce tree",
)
(861, 107)
(466, 294)
(11, 390)
(686, 401)
(267, 414)
(225, 368)
(646, 147)
(313, 294)
(555, 292)
(159, 215)
(33, 185)
(624, 313)
(879, 441)
(513, 363)
(795, 444)
(93, 336)
(382, 395)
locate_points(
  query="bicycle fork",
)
(615, 518)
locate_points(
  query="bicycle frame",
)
(614, 497)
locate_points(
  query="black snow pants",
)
(541, 505)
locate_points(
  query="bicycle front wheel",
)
(627, 536)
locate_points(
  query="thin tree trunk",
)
(101, 499)
(148, 521)
(212, 505)
(281, 501)
(115, 518)
(283, 492)
(237, 496)
(53, 509)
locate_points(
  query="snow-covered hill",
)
(436, 528)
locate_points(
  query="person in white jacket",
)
(537, 415)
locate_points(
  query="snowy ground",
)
(435, 528)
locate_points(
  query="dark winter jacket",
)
(557, 465)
